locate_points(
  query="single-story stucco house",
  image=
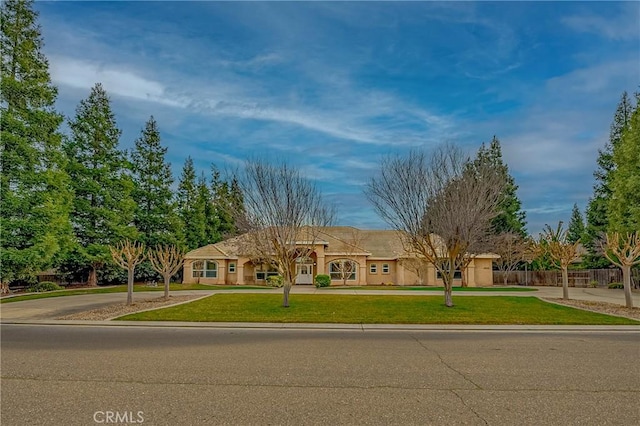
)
(374, 257)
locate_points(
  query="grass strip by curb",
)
(352, 309)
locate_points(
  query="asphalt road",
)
(86, 375)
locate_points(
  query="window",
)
(385, 268)
(457, 275)
(204, 268)
(343, 269)
(265, 271)
(373, 268)
(232, 268)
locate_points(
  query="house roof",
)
(338, 240)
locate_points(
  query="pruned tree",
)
(513, 249)
(623, 250)
(282, 212)
(128, 254)
(167, 261)
(561, 252)
(442, 204)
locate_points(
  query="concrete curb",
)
(337, 327)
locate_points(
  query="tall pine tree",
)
(228, 202)
(103, 207)
(34, 193)
(511, 217)
(597, 215)
(190, 208)
(155, 215)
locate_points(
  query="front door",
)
(304, 273)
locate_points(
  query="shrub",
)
(43, 286)
(616, 285)
(323, 280)
(593, 283)
(275, 281)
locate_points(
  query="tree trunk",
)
(286, 289)
(626, 278)
(130, 287)
(565, 283)
(448, 301)
(167, 279)
(93, 276)
(463, 276)
(505, 277)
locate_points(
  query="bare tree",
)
(345, 268)
(623, 250)
(442, 204)
(167, 261)
(561, 252)
(128, 255)
(283, 212)
(513, 249)
(416, 265)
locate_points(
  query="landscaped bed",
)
(351, 309)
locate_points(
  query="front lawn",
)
(123, 289)
(427, 288)
(351, 309)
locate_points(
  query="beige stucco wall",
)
(483, 272)
(379, 277)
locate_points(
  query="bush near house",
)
(43, 286)
(275, 281)
(323, 280)
(616, 285)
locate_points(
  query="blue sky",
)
(333, 86)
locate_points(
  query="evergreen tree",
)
(212, 222)
(576, 225)
(511, 217)
(228, 202)
(624, 204)
(34, 193)
(598, 208)
(155, 215)
(190, 208)
(103, 206)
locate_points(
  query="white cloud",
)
(83, 74)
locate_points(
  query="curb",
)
(338, 327)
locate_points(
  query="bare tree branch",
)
(623, 250)
(167, 261)
(128, 255)
(442, 204)
(283, 212)
(555, 243)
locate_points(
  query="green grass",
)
(427, 288)
(351, 309)
(123, 289)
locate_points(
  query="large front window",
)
(265, 271)
(205, 268)
(343, 269)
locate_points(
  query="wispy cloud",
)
(624, 26)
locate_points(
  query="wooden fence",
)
(577, 278)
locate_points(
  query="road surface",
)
(85, 375)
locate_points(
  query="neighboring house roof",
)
(338, 240)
